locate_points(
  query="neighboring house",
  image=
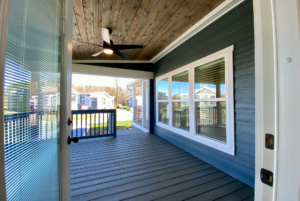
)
(129, 102)
(96, 100)
(74, 104)
(49, 102)
(138, 100)
(162, 96)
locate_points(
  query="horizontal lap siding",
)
(235, 28)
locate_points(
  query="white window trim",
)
(229, 146)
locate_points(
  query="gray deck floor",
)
(141, 166)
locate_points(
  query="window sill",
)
(216, 144)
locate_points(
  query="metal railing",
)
(94, 123)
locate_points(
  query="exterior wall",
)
(235, 28)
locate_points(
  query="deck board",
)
(142, 166)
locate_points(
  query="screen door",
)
(32, 100)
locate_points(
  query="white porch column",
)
(144, 112)
(133, 103)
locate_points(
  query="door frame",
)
(65, 106)
(66, 82)
(276, 40)
(4, 15)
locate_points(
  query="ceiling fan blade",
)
(120, 54)
(106, 35)
(125, 47)
(97, 53)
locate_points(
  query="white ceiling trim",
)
(110, 61)
(135, 82)
(218, 12)
(204, 22)
(110, 72)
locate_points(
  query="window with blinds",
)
(211, 115)
(180, 86)
(32, 100)
(210, 80)
(201, 104)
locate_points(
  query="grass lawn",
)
(120, 124)
(9, 112)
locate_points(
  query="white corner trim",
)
(110, 61)
(203, 23)
(139, 127)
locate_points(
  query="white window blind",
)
(32, 101)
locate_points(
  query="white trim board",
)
(112, 72)
(135, 82)
(218, 12)
(109, 61)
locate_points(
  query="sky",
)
(93, 80)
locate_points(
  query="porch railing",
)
(94, 123)
(30, 126)
(138, 113)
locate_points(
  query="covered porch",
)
(142, 166)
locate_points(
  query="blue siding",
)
(235, 28)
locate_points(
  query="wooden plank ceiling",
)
(151, 23)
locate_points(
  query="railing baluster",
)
(77, 125)
(99, 124)
(107, 123)
(111, 128)
(103, 123)
(90, 124)
(94, 123)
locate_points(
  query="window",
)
(180, 91)
(210, 81)
(163, 97)
(163, 88)
(196, 101)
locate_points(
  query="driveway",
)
(123, 115)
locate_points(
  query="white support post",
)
(133, 103)
(144, 94)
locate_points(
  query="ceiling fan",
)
(109, 47)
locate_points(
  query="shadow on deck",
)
(141, 166)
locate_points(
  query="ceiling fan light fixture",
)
(108, 51)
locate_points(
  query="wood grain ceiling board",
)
(152, 23)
